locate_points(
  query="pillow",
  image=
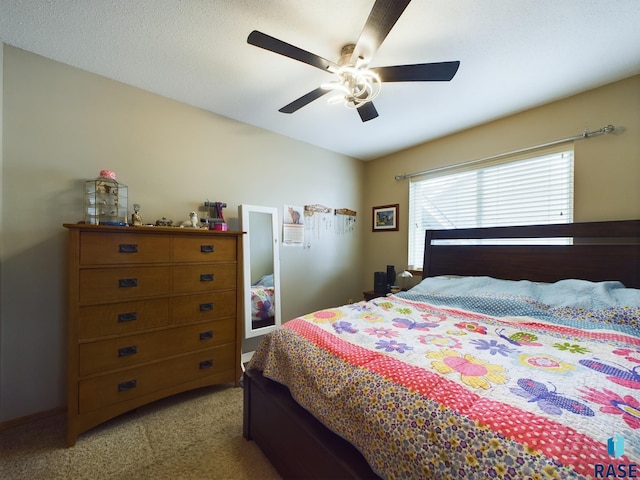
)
(265, 281)
(572, 292)
(577, 303)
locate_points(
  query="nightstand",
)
(370, 295)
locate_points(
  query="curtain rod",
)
(586, 134)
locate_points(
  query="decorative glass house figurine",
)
(105, 200)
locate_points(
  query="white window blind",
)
(529, 191)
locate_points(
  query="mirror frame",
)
(245, 214)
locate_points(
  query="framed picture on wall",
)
(385, 218)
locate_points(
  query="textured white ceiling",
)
(515, 54)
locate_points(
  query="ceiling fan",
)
(355, 83)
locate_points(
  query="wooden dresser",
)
(153, 311)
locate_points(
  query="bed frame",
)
(299, 446)
(600, 251)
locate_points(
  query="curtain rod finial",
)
(603, 131)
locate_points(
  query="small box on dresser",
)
(152, 312)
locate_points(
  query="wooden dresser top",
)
(145, 229)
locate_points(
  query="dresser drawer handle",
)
(206, 364)
(206, 335)
(127, 351)
(206, 248)
(128, 385)
(127, 317)
(128, 248)
(127, 282)
(206, 307)
(206, 277)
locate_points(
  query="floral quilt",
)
(429, 390)
(262, 303)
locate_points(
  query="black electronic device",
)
(391, 276)
(380, 282)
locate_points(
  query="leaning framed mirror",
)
(261, 264)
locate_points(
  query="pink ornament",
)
(108, 174)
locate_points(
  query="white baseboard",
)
(246, 357)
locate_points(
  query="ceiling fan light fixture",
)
(335, 99)
(358, 85)
(336, 86)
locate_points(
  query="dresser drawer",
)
(204, 277)
(204, 248)
(125, 317)
(101, 391)
(125, 351)
(123, 248)
(104, 284)
(205, 306)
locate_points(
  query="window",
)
(521, 191)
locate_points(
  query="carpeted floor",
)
(192, 436)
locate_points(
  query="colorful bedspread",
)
(427, 390)
(262, 303)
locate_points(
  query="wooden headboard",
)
(600, 251)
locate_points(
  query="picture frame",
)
(385, 218)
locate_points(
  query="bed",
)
(506, 361)
(263, 302)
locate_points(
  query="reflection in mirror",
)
(261, 269)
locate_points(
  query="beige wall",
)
(63, 125)
(1, 229)
(607, 168)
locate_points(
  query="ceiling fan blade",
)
(421, 72)
(272, 44)
(304, 100)
(384, 15)
(367, 112)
